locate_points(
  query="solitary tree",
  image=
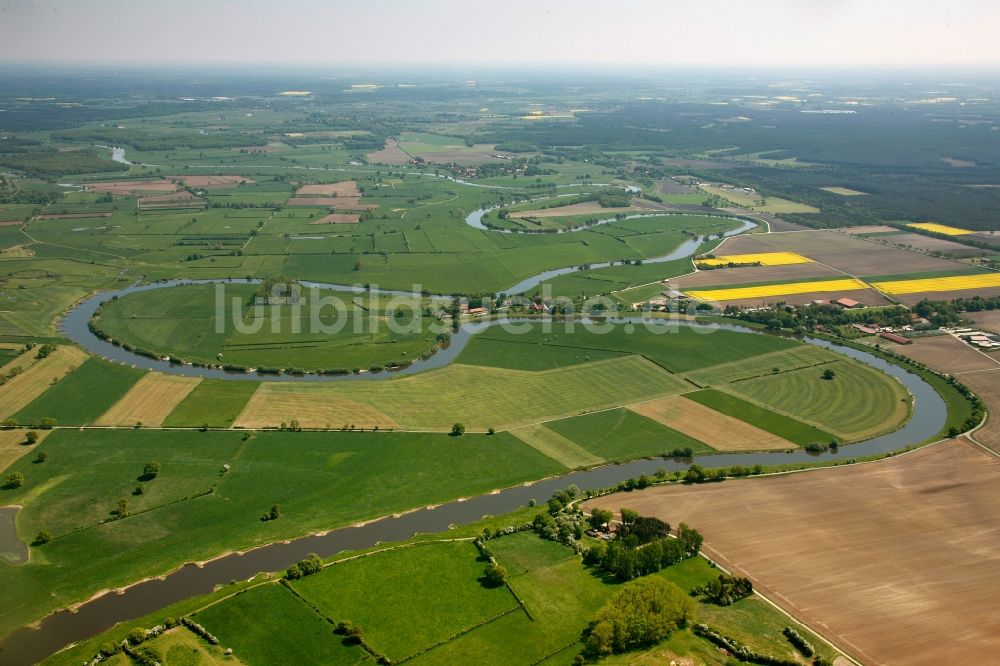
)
(457, 430)
(31, 437)
(151, 470)
(122, 509)
(15, 480)
(495, 575)
(829, 374)
(42, 538)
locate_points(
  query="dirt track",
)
(895, 561)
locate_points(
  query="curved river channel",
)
(25, 646)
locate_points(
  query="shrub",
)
(796, 639)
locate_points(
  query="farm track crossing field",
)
(150, 401)
(719, 431)
(20, 391)
(856, 404)
(555, 446)
(834, 547)
(83, 395)
(478, 397)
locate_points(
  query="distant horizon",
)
(645, 33)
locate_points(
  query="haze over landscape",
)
(541, 333)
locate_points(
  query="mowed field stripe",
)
(150, 401)
(273, 404)
(953, 283)
(20, 391)
(719, 431)
(478, 397)
(13, 446)
(764, 291)
(550, 443)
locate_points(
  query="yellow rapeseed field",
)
(763, 258)
(940, 228)
(953, 283)
(766, 291)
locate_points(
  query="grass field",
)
(788, 289)
(23, 389)
(213, 402)
(843, 191)
(478, 397)
(436, 584)
(621, 435)
(150, 401)
(555, 446)
(856, 404)
(801, 356)
(778, 424)
(269, 625)
(83, 395)
(940, 228)
(704, 424)
(321, 480)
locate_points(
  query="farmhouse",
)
(849, 303)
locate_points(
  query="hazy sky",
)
(653, 32)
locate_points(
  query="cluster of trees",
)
(643, 545)
(643, 613)
(273, 514)
(745, 653)
(725, 589)
(307, 567)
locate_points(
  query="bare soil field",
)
(929, 244)
(267, 408)
(870, 229)
(339, 203)
(986, 237)
(585, 208)
(667, 186)
(913, 299)
(947, 354)
(894, 561)
(685, 163)
(461, 155)
(13, 445)
(853, 255)
(338, 218)
(182, 198)
(69, 216)
(20, 391)
(212, 181)
(10, 223)
(987, 386)
(988, 319)
(721, 432)
(346, 188)
(390, 154)
(150, 401)
(128, 187)
(752, 274)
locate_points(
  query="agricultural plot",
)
(19, 392)
(783, 426)
(844, 191)
(555, 446)
(986, 385)
(988, 319)
(920, 605)
(764, 259)
(292, 633)
(14, 444)
(947, 354)
(150, 401)
(855, 404)
(620, 435)
(984, 284)
(767, 292)
(704, 424)
(756, 201)
(213, 402)
(437, 584)
(930, 244)
(478, 397)
(940, 228)
(83, 395)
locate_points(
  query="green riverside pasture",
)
(621, 435)
(765, 419)
(83, 395)
(215, 402)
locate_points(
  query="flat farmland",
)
(338, 218)
(794, 292)
(719, 431)
(853, 255)
(929, 244)
(478, 397)
(911, 291)
(14, 444)
(391, 154)
(720, 277)
(894, 561)
(130, 187)
(947, 354)
(212, 181)
(150, 401)
(987, 386)
(585, 208)
(345, 188)
(20, 391)
(988, 319)
(843, 191)
(552, 444)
